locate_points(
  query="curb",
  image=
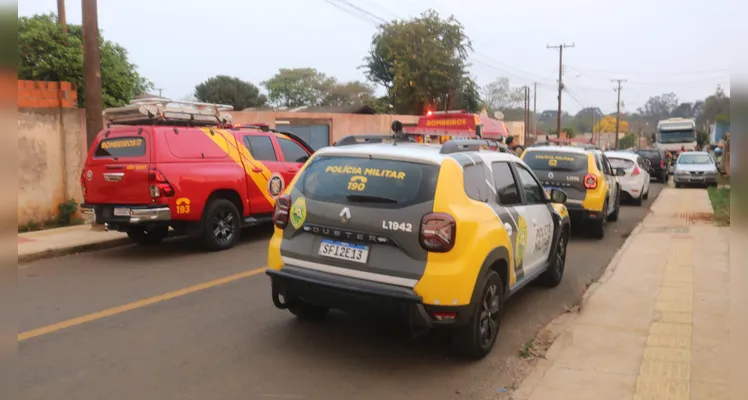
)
(51, 253)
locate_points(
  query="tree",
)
(659, 107)
(347, 94)
(298, 87)
(421, 62)
(608, 125)
(569, 132)
(499, 95)
(628, 141)
(466, 97)
(584, 119)
(224, 89)
(717, 107)
(47, 54)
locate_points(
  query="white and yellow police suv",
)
(441, 234)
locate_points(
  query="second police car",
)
(441, 234)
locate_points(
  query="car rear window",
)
(371, 182)
(121, 147)
(556, 161)
(621, 163)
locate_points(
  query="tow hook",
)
(275, 293)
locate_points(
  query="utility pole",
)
(526, 91)
(535, 112)
(61, 16)
(159, 91)
(560, 48)
(92, 71)
(618, 107)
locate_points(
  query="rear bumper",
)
(577, 212)
(104, 214)
(362, 296)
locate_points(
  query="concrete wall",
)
(51, 153)
(340, 124)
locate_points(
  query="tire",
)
(678, 185)
(147, 237)
(598, 227)
(308, 312)
(553, 275)
(614, 216)
(476, 339)
(646, 195)
(221, 225)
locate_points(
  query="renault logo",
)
(345, 215)
(550, 175)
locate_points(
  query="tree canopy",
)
(224, 89)
(299, 87)
(608, 125)
(499, 95)
(717, 107)
(422, 63)
(45, 53)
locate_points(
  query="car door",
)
(293, 156)
(509, 207)
(539, 220)
(266, 181)
(611, 177)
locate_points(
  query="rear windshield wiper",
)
(362, 198)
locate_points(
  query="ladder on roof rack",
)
(164, 111)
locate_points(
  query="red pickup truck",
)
(205, 179)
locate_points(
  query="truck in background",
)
(675, 133)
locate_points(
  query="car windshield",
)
(694, 159)
(677, 136)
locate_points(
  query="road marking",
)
(135, 305)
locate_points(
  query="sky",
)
(659, 46)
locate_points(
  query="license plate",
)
(344, 251)
(122, 212)
(697, 178)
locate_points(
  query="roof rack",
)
(365, 139)
(460, 145)
(164, 111)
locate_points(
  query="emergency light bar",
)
(163, 111)
(448, 112)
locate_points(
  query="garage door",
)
(317, 136)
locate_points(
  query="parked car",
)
(591, 183)
(442, 235)
(635, 180)
(659, 168)
(148, 174)
(695, 168)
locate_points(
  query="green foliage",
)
(570, 133)
(422, 63)
(499, 95)
(628, 141)
(347, 94)
(8, 55)
(67, 210)
(702, 138)
(720, 199)
(45, 53)
(583, 120)
(466, 97)
(224, 89)
(298, 87)
(717, 107)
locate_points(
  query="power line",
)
(560, 48)
(359, 16)
(607, 72)
(363, 11)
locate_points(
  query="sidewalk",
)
(59, 241)
(656, 325)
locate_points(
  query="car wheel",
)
(598, 227)
(147, 237)
(646, 195)
(552, 276)
(221, 225)
(306, 311)
(476, 339)
(614, 216)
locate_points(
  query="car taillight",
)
(636, 171)
(662, 163)
(590, 181)
(281, 211)
(159, 185)
(438, 232)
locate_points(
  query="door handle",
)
(258, 170)
(293, 171)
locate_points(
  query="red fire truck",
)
(440, 126)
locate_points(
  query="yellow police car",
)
(585, 174)
(440, 234)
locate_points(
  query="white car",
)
(635, 183)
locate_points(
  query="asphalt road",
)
(225, 340)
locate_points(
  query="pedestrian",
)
(514, 145)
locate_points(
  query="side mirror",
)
(558, 196)
(620, 172)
